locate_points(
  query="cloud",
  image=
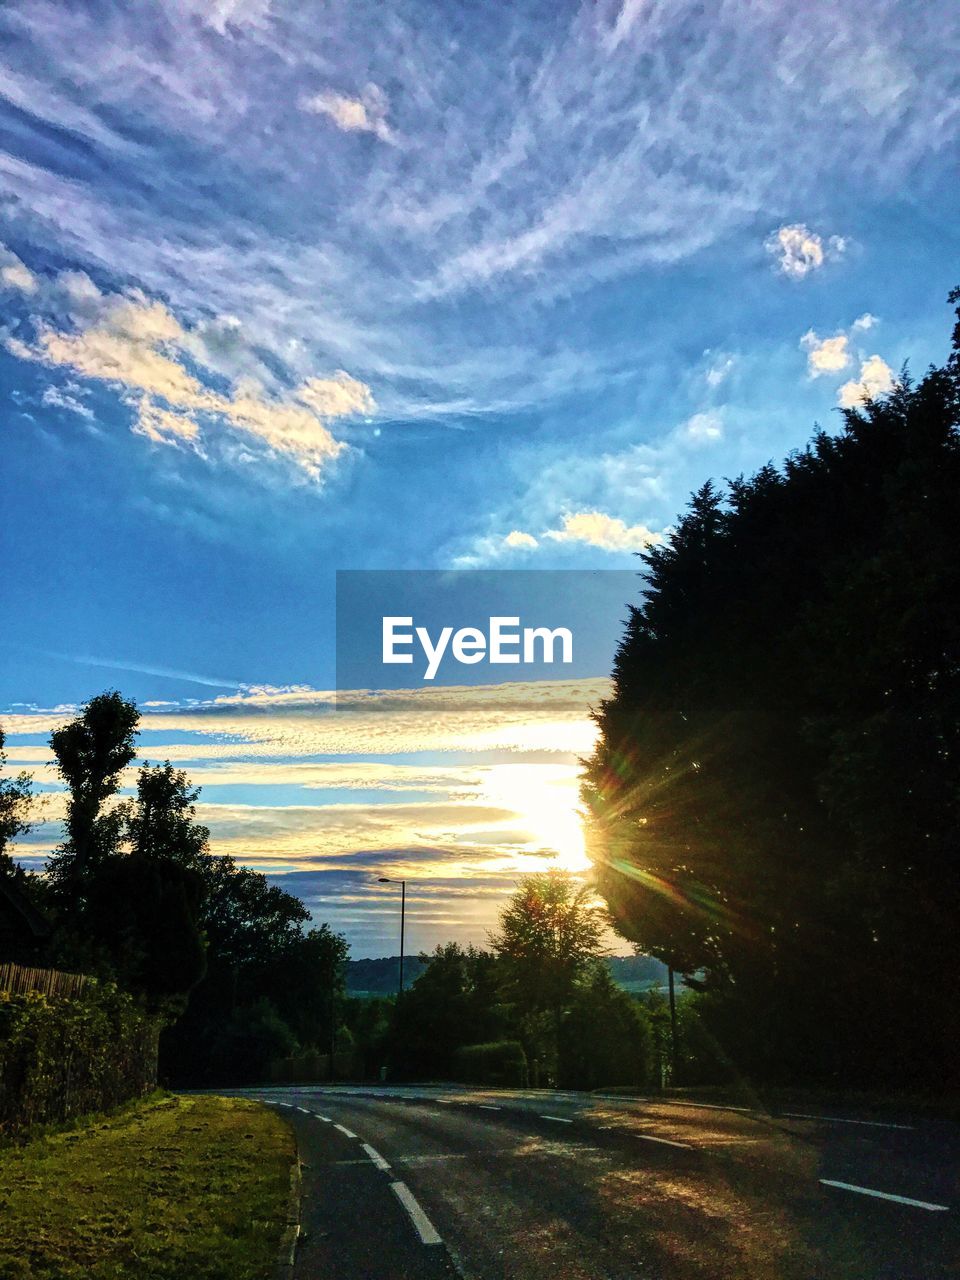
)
(627, 16)
(864, 322)
(164, 426)
(825, 355)
(282, 789)
(719, 369)
(876, 379)
(609, 533)
(65, 398)
(702, 428)
(520, 541)
(137, 345)
(15, 274)
(353, 115)
(799, 250)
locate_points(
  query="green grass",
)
(175, 1189)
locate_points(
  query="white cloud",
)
(864, 322)
(799, 250)
(719, 369)
(65, 398)
(825, 355)
(164, 426)
(353, 115)
(702, 428)
(629, 12)
(14, 273)
(876, 379)
(609, 533)
(520, 540)
(136, 344)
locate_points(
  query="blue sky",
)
(290, 288)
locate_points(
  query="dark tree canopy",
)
(92, 751)
(15, 798)
(775, 795)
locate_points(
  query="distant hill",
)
(379, 977)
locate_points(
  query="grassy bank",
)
(175, 1188)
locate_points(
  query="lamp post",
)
(403, 914)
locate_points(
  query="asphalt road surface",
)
(418, 1183)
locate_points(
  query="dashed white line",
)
(486, 1107)
(873, 1124)
(347, 1133)
(424, 1227)
(325, 1119)
(886, 1195)
(375, 1156)
(665, 1142)
(557, 1119)
(304, 1110)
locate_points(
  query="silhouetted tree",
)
(92, 751)
(605, 1037)
(775, 794)
(15, 799)
(455, 1001)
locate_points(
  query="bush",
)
(605, 1037)
(62, 1057)
(503, 1063)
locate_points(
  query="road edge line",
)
(287, 1251)
(422, 1225)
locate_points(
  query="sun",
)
(545, 800)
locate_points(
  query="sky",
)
(292, 288)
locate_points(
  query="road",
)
(424, 1182)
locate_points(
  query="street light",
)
(403, 914)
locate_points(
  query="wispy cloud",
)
(637, 134)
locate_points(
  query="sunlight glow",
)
(545, 798)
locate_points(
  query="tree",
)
(605, 1037)
(547, 936)
(163, 822)
(455, 1001)
(92, 751)
(548, 933)
(775, 794)
(15, 799)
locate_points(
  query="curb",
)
(287, 1252)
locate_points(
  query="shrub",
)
(62, 1057)
(503, 1062)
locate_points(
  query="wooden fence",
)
(18, 979)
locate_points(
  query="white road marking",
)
(873, 1124)
(424, 1227)
(325, 1119)
(375, 1156)
(485, 1107)
(558, 1119)
(886, 1195)
(347, 1133)
(666, 1142)
(447, 1102)
(304, 1110)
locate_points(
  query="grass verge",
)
(175, 1189)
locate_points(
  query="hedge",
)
(501, 1062)
(62, 1057)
